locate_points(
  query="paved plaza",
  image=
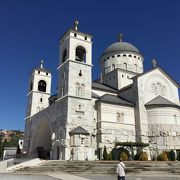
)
(81, 177)
(25, 177)
(108, 177)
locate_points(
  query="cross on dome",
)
(120, 36)
(76, 25)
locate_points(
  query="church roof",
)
(79, 130)
(42, 69)
(120, 47)
(114, 100)
(160, 101)
(94, 95)
(96, 85)
(162, 71)
(126, 87)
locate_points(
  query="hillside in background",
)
(9, 138)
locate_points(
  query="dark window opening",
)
(134, 56)
(138, 57)
(122, 75)
(64, 55)
(113, 67)
(80, 73)
(38, 72)
(42, 86)
(47, 74)
(130, 55)
(112, 56)
(118, 55)
(124, 55)
(125, 66)
(75, 35)
(80, 54)
(85, 38)
(41, 99)
(107, 57)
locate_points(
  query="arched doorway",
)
(41, 142)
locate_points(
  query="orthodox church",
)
(125, 104)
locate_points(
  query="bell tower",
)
(74, 91)
(39, 90)
(75, 63)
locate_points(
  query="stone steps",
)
(105, 167)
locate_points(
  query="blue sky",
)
(30, 29)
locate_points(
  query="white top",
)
(120, 169)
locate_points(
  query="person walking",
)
(120, 170)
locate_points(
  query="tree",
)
(1, 147)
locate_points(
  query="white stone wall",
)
(81, 113)
(111, 129)
(164, 127)
(108, 62)
(146, 93)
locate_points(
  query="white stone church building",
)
(125, 104)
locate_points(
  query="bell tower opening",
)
(42, 86)
(64, 55)
(80, 54)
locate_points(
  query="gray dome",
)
(120, 46)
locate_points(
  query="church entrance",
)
(41, 144)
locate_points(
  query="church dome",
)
(120, 46)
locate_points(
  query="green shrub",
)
(109, 157)
(124, 156)
(143, 157)
(172, 155)
(117, 151)
(105, 153)
(162, 157)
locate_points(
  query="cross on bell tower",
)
(76, 25)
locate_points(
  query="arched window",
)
(42, 86)
(118, 117)
(125, 66)
(80, 54)
(135, 68)
(78, 89)
(82, 89)
(122, 117)
(113, 66)
(64, 55)
(175, 118)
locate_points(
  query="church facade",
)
(125, 104)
